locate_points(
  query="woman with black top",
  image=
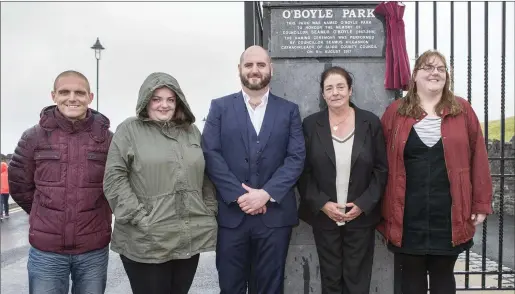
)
(439, 186)
(341, 186)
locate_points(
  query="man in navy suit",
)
(254, 150)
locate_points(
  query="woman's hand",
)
(478, 218)
(333, 211)
(353, 213)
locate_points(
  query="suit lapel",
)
(269, 119)
(360, 134)
(324, 134)
(241, 116)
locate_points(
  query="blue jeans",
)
(5, 204)
(50, 272)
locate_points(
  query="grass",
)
(494, 129)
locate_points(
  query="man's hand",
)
(353, 213)
(260, 210)
(333, 211)
(253, 200)
(477, 218)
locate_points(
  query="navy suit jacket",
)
(225, 143)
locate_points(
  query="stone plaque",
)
(304, 38)
(326, 32)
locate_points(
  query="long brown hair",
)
(180, 117)
(410, 104)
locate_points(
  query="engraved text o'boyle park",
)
(329, 32)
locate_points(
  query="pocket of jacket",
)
(466, 193)
(144, 223)
(96, 167)
(48, 166)
(205, 208)
(53, 220)
(197, 206)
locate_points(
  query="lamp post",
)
(98, 49)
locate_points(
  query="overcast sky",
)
(190, 41)
(461, 49)
(199, 43)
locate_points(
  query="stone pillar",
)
(304, 38)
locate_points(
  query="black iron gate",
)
(503, 158)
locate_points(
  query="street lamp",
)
(98, 49)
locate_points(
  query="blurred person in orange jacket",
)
(4, 190)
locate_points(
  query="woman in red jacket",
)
(439, 186)
(4, 190)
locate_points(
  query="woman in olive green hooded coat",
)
(164, 205)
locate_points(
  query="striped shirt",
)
(429, 130)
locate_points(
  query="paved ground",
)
(492, 236)
(14, 248)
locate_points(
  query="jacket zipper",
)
(395, 161)
(395, 136)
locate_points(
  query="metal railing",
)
(502, 175)
(254, 35)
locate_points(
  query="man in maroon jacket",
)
(56, 176)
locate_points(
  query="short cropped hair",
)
(72, 73)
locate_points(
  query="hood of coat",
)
(96, 122)
(155, 81)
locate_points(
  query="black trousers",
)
(415, 268)
(5, 204)
(346, 257)
(172, 277)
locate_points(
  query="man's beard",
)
(265, 80)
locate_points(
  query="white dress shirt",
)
(257, 115)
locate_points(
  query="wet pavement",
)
(494, 243)
(15, 246)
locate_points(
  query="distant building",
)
(6, 158)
